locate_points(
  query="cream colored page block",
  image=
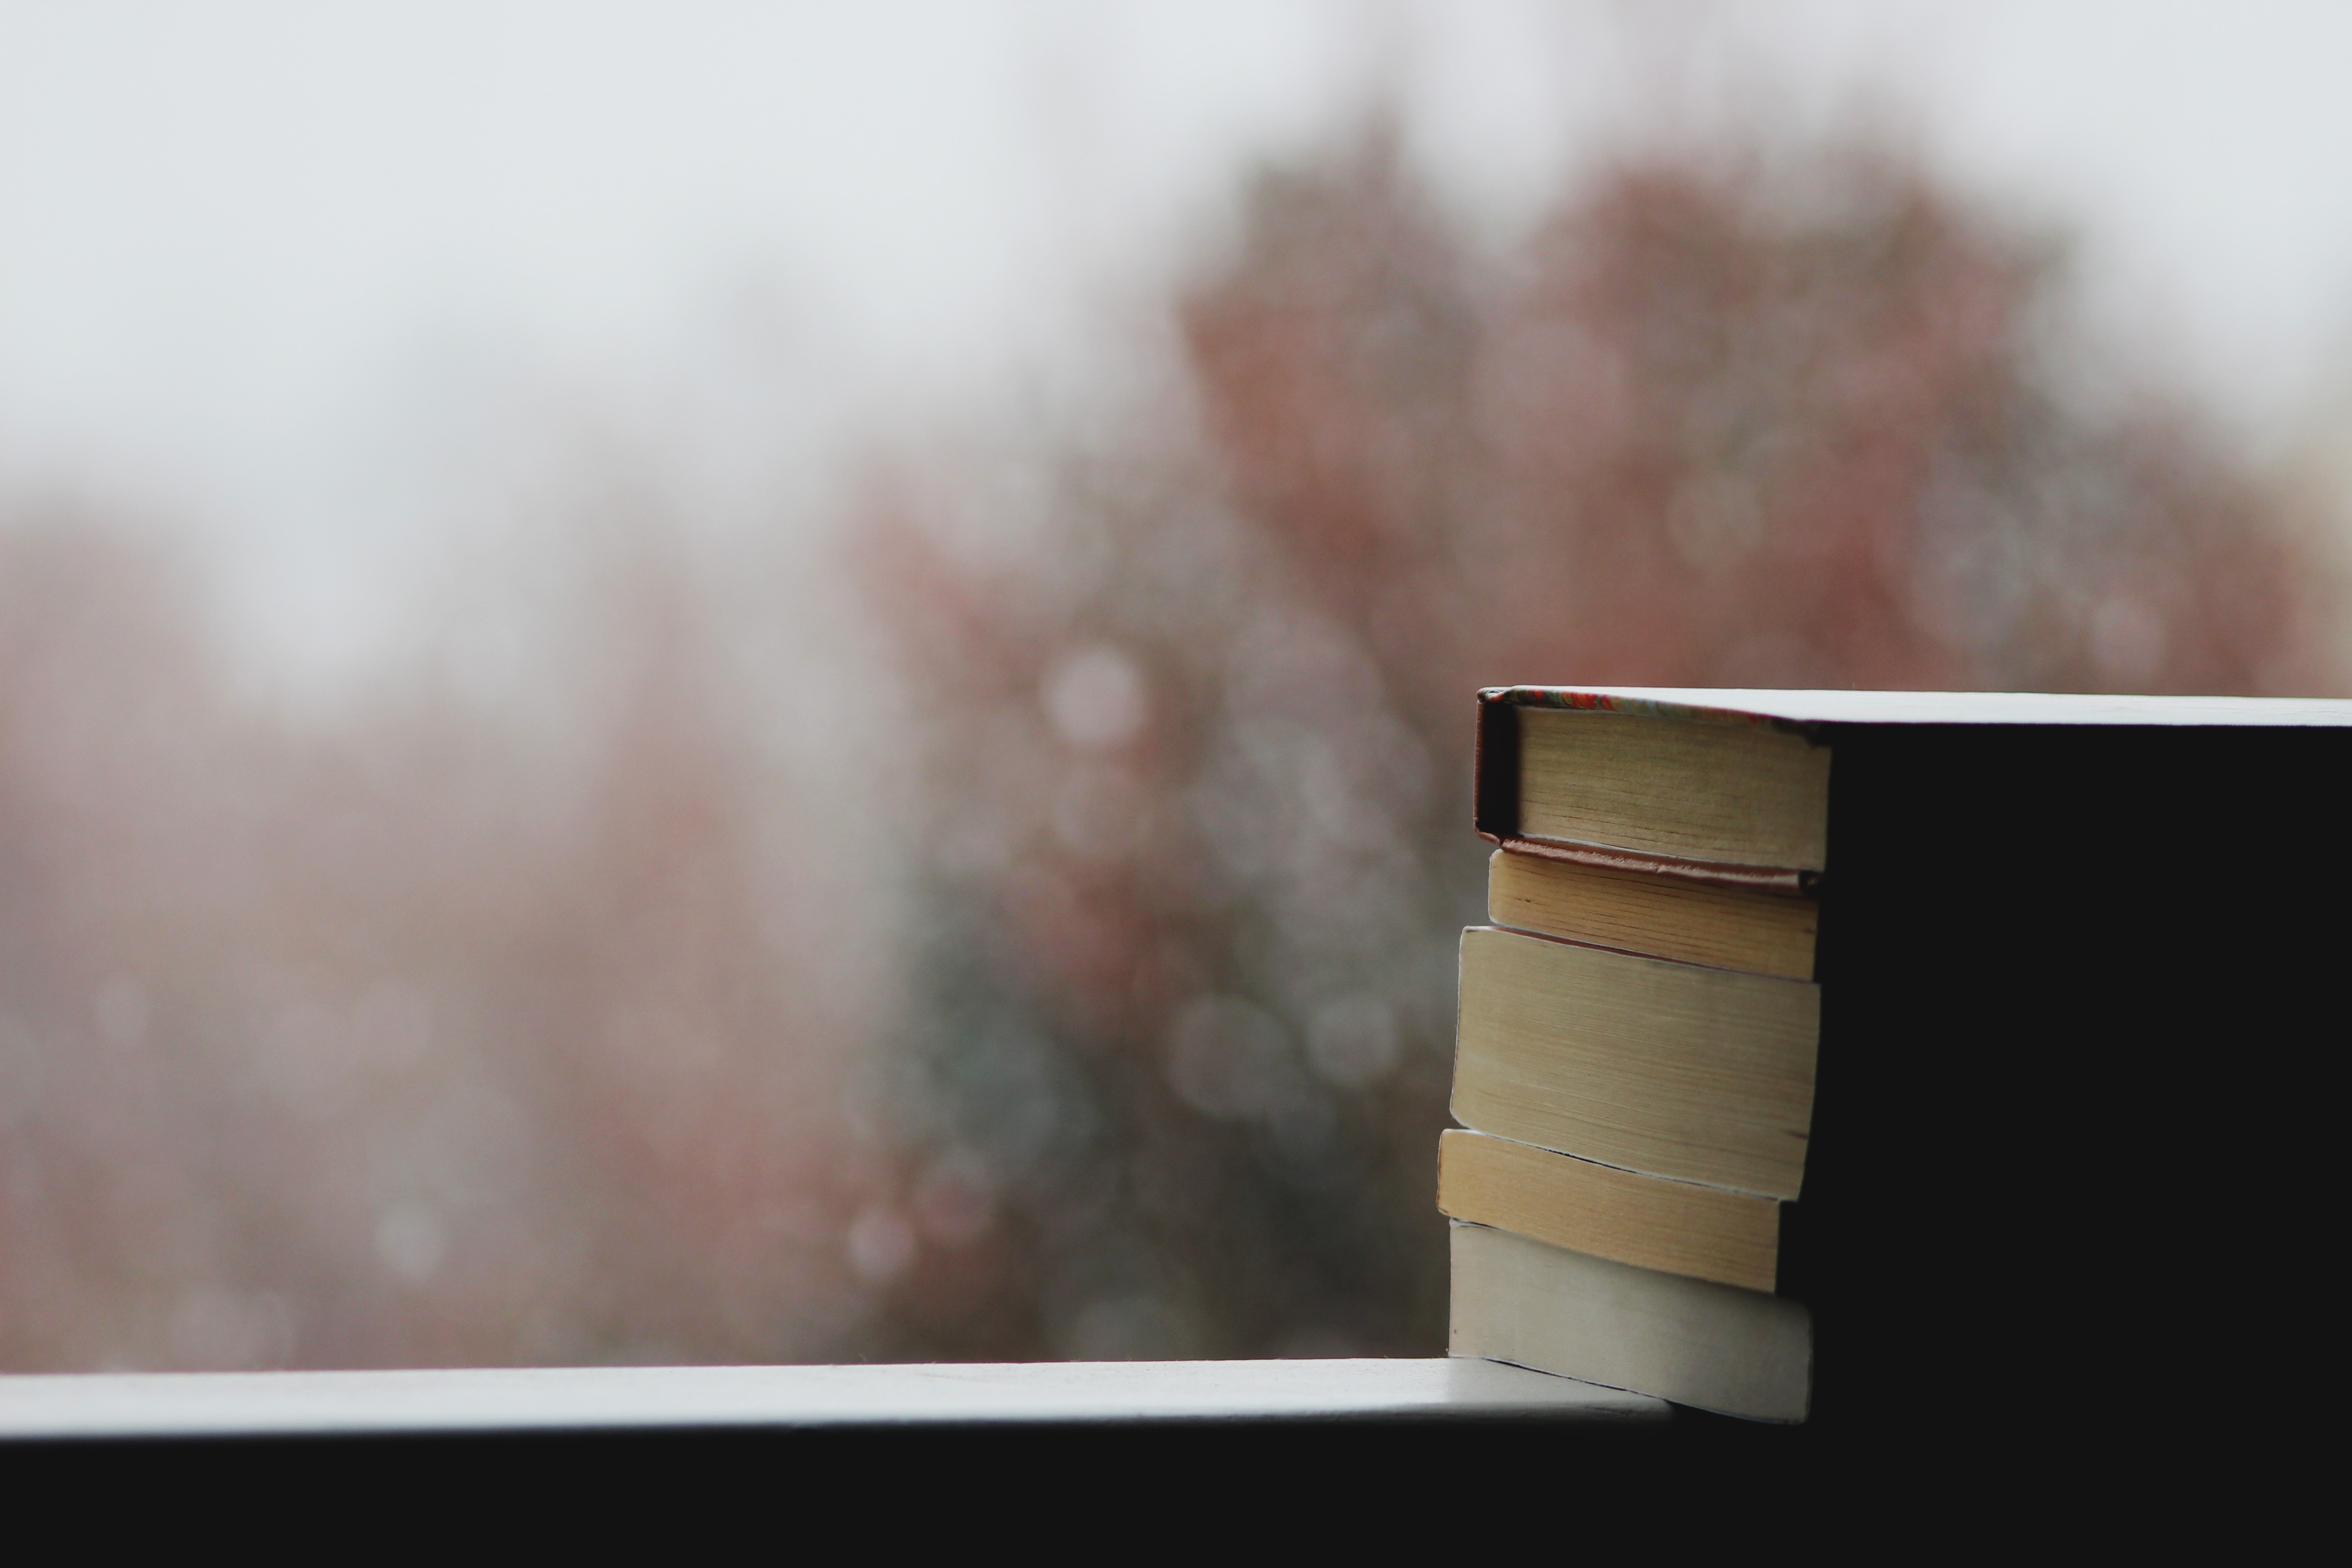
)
(1703, 1075)
(1737, 1352)
(1678, 1228)
(1668, 916)
(1671, 787)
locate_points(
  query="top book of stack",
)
(1736, 791)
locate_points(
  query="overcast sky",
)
(264, 266)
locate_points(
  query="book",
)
(1734, 788)
(1714, 1347)
(1641, 911)
(1673, 1069)
(1675, 1228)
(1723, 793)
(2076, 961)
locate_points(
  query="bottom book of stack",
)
(1696, 1342)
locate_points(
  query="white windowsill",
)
(327, 1403)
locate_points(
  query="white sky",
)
(276, 272)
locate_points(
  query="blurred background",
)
(745, 682)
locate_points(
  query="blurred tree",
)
(1192, 843)
(457, 1029)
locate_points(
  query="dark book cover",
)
(2083, 996)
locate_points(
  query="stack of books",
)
(1907, 1023)
(1635, 1059)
